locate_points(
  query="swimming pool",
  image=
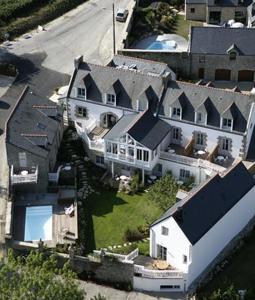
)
(38, 223)
(162, 45)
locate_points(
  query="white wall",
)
(148, 284)
(176, 243)
(94, 111)
(211, 244)
(175, 168)
(212, 135)
(250, 126)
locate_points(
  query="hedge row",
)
(18, 8)
(46, 14)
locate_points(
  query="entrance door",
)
(109, 121)
(222, 74)
(201, 73)
(245, 75)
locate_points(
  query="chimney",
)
(78, 59)
(166, 77)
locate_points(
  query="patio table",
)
(200, 152)
(153, 177)
(220, 158)
(162, 265)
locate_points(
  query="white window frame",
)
(227, 126)
(184, 175)
(176, 133)
(22, 159)
(226, 142)
(176, 112)
(110, 99)
(200, 139)
(81, 95)
(164, 230)
(81, 114)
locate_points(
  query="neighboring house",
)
(192, 233)
(226, 54)
(131, 120)
(251, 15)
(33, 135)
(217, 11)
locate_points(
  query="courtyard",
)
(104, 213)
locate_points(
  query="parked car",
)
(121, 15)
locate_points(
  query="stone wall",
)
(196, 12)
(212, 62)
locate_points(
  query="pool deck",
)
(182, 43)
(64, 227)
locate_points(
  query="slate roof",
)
(144, 65)
(121, 127)
(130, 84)
(161, 93)
(217, 40)
(144, 128)
(32, 122)
(217, 102)
(198, 213)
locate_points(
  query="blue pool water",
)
(38, 223)
(158, 46)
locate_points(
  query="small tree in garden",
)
(163, 191)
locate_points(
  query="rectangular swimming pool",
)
(38, 223)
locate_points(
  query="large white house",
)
(133, 114)
(192, 233)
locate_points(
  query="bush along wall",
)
(31, 20)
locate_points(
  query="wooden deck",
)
(64, 227)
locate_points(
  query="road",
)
(85, 30)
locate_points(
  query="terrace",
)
(189, 155)
(145, 266)
(57, 225)
(23, 175)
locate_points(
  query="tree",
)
(37, 277)
(228, 293)
(163, 191)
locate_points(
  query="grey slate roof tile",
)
(28, 125)
(218, 40)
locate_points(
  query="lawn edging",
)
(41, 17)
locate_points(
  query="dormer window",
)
(176, 113)
(201, 118)
(232, 55)
(227, 123)
(110, 99)
(81, 93)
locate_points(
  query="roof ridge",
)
(142, 59)
(209, 87)
(137, 118)
(125, 70)
(34, 134)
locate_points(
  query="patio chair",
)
(69, 210)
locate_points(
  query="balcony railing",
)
(22, 176)
(157, 273)
(190, 161)
(130, 159)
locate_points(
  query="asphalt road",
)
(85, 30)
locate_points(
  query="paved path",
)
(93, 289)
(85, 30)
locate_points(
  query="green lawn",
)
(182, 26)
(240, 271)
(110, 213)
